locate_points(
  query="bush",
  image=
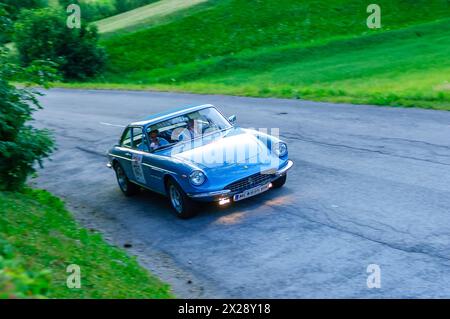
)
(9, 9)
(42, 34)
(6, 25)
(21, 145)
(13, 7)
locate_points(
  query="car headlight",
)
(280, 149)
(197, 178)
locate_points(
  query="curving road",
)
(371, 185)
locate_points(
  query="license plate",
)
(251, 192)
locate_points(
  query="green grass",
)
(236, 25)
(94, 10)
(39, 239)
(312, 49)
(150, 15)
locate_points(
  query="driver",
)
(156, 141)
(190, 132)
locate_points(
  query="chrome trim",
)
(125, 158)
(145, 164)
(285, 169)
(159, 169)
(210, 194)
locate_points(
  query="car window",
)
(126, 138)
(203, 121)
(138, 139)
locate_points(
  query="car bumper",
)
(224, 194)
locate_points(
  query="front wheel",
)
(181, 203)
(279, 182)
(127, 187)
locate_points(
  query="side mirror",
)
(232, 119)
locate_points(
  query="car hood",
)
(228, 156)
(236, 146)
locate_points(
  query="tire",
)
(127, 187)
(279, 182)
(183, 206)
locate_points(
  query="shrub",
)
(21, 145)
(6, 25)
(13, 7)
(42, 34)
(9, 9)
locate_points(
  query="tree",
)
(9, 10)
(42, 34)
(13, 7)
(21, 145)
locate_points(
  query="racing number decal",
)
(136, 165)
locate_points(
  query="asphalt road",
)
(371, 185)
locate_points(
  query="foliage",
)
(43, 35)
(10, 9)
(21, 145)
(13, 7)
(39, 239)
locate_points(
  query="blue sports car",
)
(195, 154)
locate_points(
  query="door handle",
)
(127, 154)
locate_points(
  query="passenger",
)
(156, 141)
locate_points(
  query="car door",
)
(146, 164)
(141, 166)
(137, 155)
(124, 152)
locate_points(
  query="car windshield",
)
(186, 127)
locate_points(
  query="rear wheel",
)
(127, 187)
(184, 206)
(279, 182)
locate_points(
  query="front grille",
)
(249, 182)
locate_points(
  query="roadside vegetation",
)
(318, 50)
(10, 10)
(408, 67)
(39, 239)
(75, 51)
(312, 49)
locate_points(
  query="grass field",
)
(150, 15)
(311, 49)
(39, 239)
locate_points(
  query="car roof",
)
(158, 117)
